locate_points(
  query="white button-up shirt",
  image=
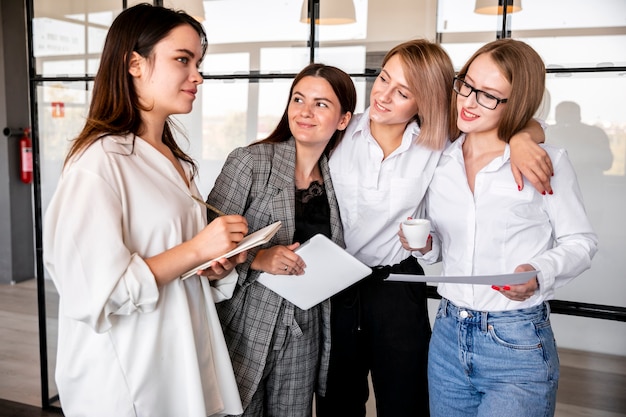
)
(497, 228)
(376, 194)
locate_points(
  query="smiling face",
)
(167, 82)
(314, 112)
(391, 100)
(483, 74)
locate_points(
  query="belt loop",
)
(546, 310)
(484, 321)
(444, 307)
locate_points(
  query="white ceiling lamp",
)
(194, 8)
(331, 12)
(494, 6)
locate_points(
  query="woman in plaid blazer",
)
(280, 352)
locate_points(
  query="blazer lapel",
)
(282, 178)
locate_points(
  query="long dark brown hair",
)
(115, 107)
(342, 86)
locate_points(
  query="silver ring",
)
(286, 267)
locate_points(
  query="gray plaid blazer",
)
(258, 182)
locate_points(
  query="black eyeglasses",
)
(484, 99)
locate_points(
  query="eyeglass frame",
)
(475, 90)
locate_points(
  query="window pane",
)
(60, 114)
(380, 25)
(596, 31)
(68, 36)
(587, 119)
(591, 51)
(459, 15)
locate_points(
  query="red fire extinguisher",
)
(26, 158)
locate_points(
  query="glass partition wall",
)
(257, 46)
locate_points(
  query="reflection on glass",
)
(592, 100)
(586, 118)
(65, 33)
(587, 145)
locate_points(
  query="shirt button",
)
(464, 314)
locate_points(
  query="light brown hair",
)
(522, 66)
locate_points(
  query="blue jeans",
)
(492, 364)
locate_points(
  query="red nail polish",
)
(506, 288)
(550, 192)
(495, 287)
(543, 193)
(519, 188)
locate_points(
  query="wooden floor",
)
(591, 384)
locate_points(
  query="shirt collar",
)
(363, 127)
(455, 150)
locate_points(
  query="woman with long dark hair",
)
(123, 226)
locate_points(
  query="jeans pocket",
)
(521, 335)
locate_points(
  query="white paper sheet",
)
(501, 279)
(329, 269)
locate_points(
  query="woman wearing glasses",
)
(380, 171)
(492, 352)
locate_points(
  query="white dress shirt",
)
(376, 194)
(497, 228)
(127, 347)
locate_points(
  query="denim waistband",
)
(466, 315)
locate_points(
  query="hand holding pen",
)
(236, 227)
(223, 233)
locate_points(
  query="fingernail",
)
(506, 288)
(429, 237)
(495, 287)
(519, 188)
(550, 192)
(409, 218)
(543, 193)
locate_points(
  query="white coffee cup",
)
(416, 232)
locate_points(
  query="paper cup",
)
(416, 232)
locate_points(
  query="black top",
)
(312, 213)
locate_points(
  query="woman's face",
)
(391, 100)
(314, 112)
(483, 74)
(168, 83)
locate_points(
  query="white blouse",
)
(376, 194)
(496, 228)
(125, 346)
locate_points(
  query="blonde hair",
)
(430, 74)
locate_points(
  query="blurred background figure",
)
(587, 145)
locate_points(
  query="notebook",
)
(252, 240)
(329, 269)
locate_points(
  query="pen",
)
(210, 207)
